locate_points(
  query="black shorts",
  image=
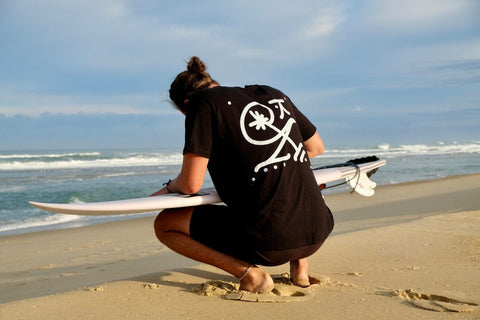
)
(220, 228)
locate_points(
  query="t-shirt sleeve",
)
(307, 129)
(198, 128)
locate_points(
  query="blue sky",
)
(94, 74)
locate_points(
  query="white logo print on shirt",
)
(263, 118)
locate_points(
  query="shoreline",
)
(111, 219)
(410, 240)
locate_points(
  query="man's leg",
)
(172, 228)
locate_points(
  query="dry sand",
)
(410, 252)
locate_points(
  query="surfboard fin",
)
(361, 184)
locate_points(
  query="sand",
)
(410, 252)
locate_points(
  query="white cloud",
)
(324, 23)
(447, 51)
(422, 15)
(108, 35)
(70, 109)
(358, 109)
(448, 63)
(29, 102)
(128, 47)
(117, 10)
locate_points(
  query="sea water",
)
(99, 175)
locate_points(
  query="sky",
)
(95, 74)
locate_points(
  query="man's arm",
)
(314, 145)
(190, 179)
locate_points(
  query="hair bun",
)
(195, 65)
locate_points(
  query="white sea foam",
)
(12, 188)
(137, 160)
(75, 200)
(39, 222)
(385, 146)
(113, 175)
(80, 160)
(387, 150)
(53, 155)
(440, 148)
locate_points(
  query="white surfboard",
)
(349, 171)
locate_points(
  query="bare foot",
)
(299, 272)
(257, 281)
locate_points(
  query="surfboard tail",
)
(361, 184)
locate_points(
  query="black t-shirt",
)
(253, 137)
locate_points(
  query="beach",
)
(412, 251)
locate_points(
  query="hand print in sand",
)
(256, 118)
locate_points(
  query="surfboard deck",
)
(349, 171)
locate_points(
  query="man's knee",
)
(172, 220)
(157, 226)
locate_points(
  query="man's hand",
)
(160, 192)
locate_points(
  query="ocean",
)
(69, 176)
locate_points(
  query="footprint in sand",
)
(95, 289)
(434, 302)
(151, 286)
(284, 291)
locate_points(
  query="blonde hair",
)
(189, 81)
